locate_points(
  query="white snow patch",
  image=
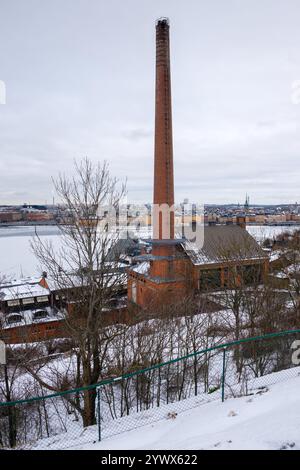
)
(267, 418)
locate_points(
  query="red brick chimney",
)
(163, 151)
(166, 279)
(163, 194)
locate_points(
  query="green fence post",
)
(223, 374)
(99, 412)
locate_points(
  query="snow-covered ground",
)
(267, 418)
(261, 232)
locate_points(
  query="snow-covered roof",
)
(28, 317)
(281, 275)
(69, 280)
(141, 268)
(23, 289)
(223, 243)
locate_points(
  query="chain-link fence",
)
(75, 418)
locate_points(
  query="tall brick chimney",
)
(163, 150)
(165, 280)
(163, 193)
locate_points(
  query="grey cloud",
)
(138, 134)
(80, 81)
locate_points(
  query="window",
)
(40, 314)
(250, 273)
(14, 319)
(50, 327)
(230, 276)
(210, 279)
(42, 298)
(59, 297)
(28, 301)
(133, 292)
(12, 303)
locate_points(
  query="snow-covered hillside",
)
(267, 418)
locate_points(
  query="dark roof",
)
(224, 243)
(128, 246)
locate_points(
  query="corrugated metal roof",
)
(224, 243)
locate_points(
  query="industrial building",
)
(175, 266)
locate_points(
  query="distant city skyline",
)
(79, 81)
(46, 204)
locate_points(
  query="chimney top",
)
(162, 21)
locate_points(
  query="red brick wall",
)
(55, 329)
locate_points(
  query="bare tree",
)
(292, 268)
(82, 273)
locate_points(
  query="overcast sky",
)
(79, 78)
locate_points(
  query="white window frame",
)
(13, 303)
(28, 301)
(42, 298)
(134, 292)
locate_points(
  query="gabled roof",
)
(22, 290)
(223, 243)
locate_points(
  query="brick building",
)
(175, 266)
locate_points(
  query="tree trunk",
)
(12, 425)
(89, 411)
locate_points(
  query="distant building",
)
(10, 216)
(34, 309)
